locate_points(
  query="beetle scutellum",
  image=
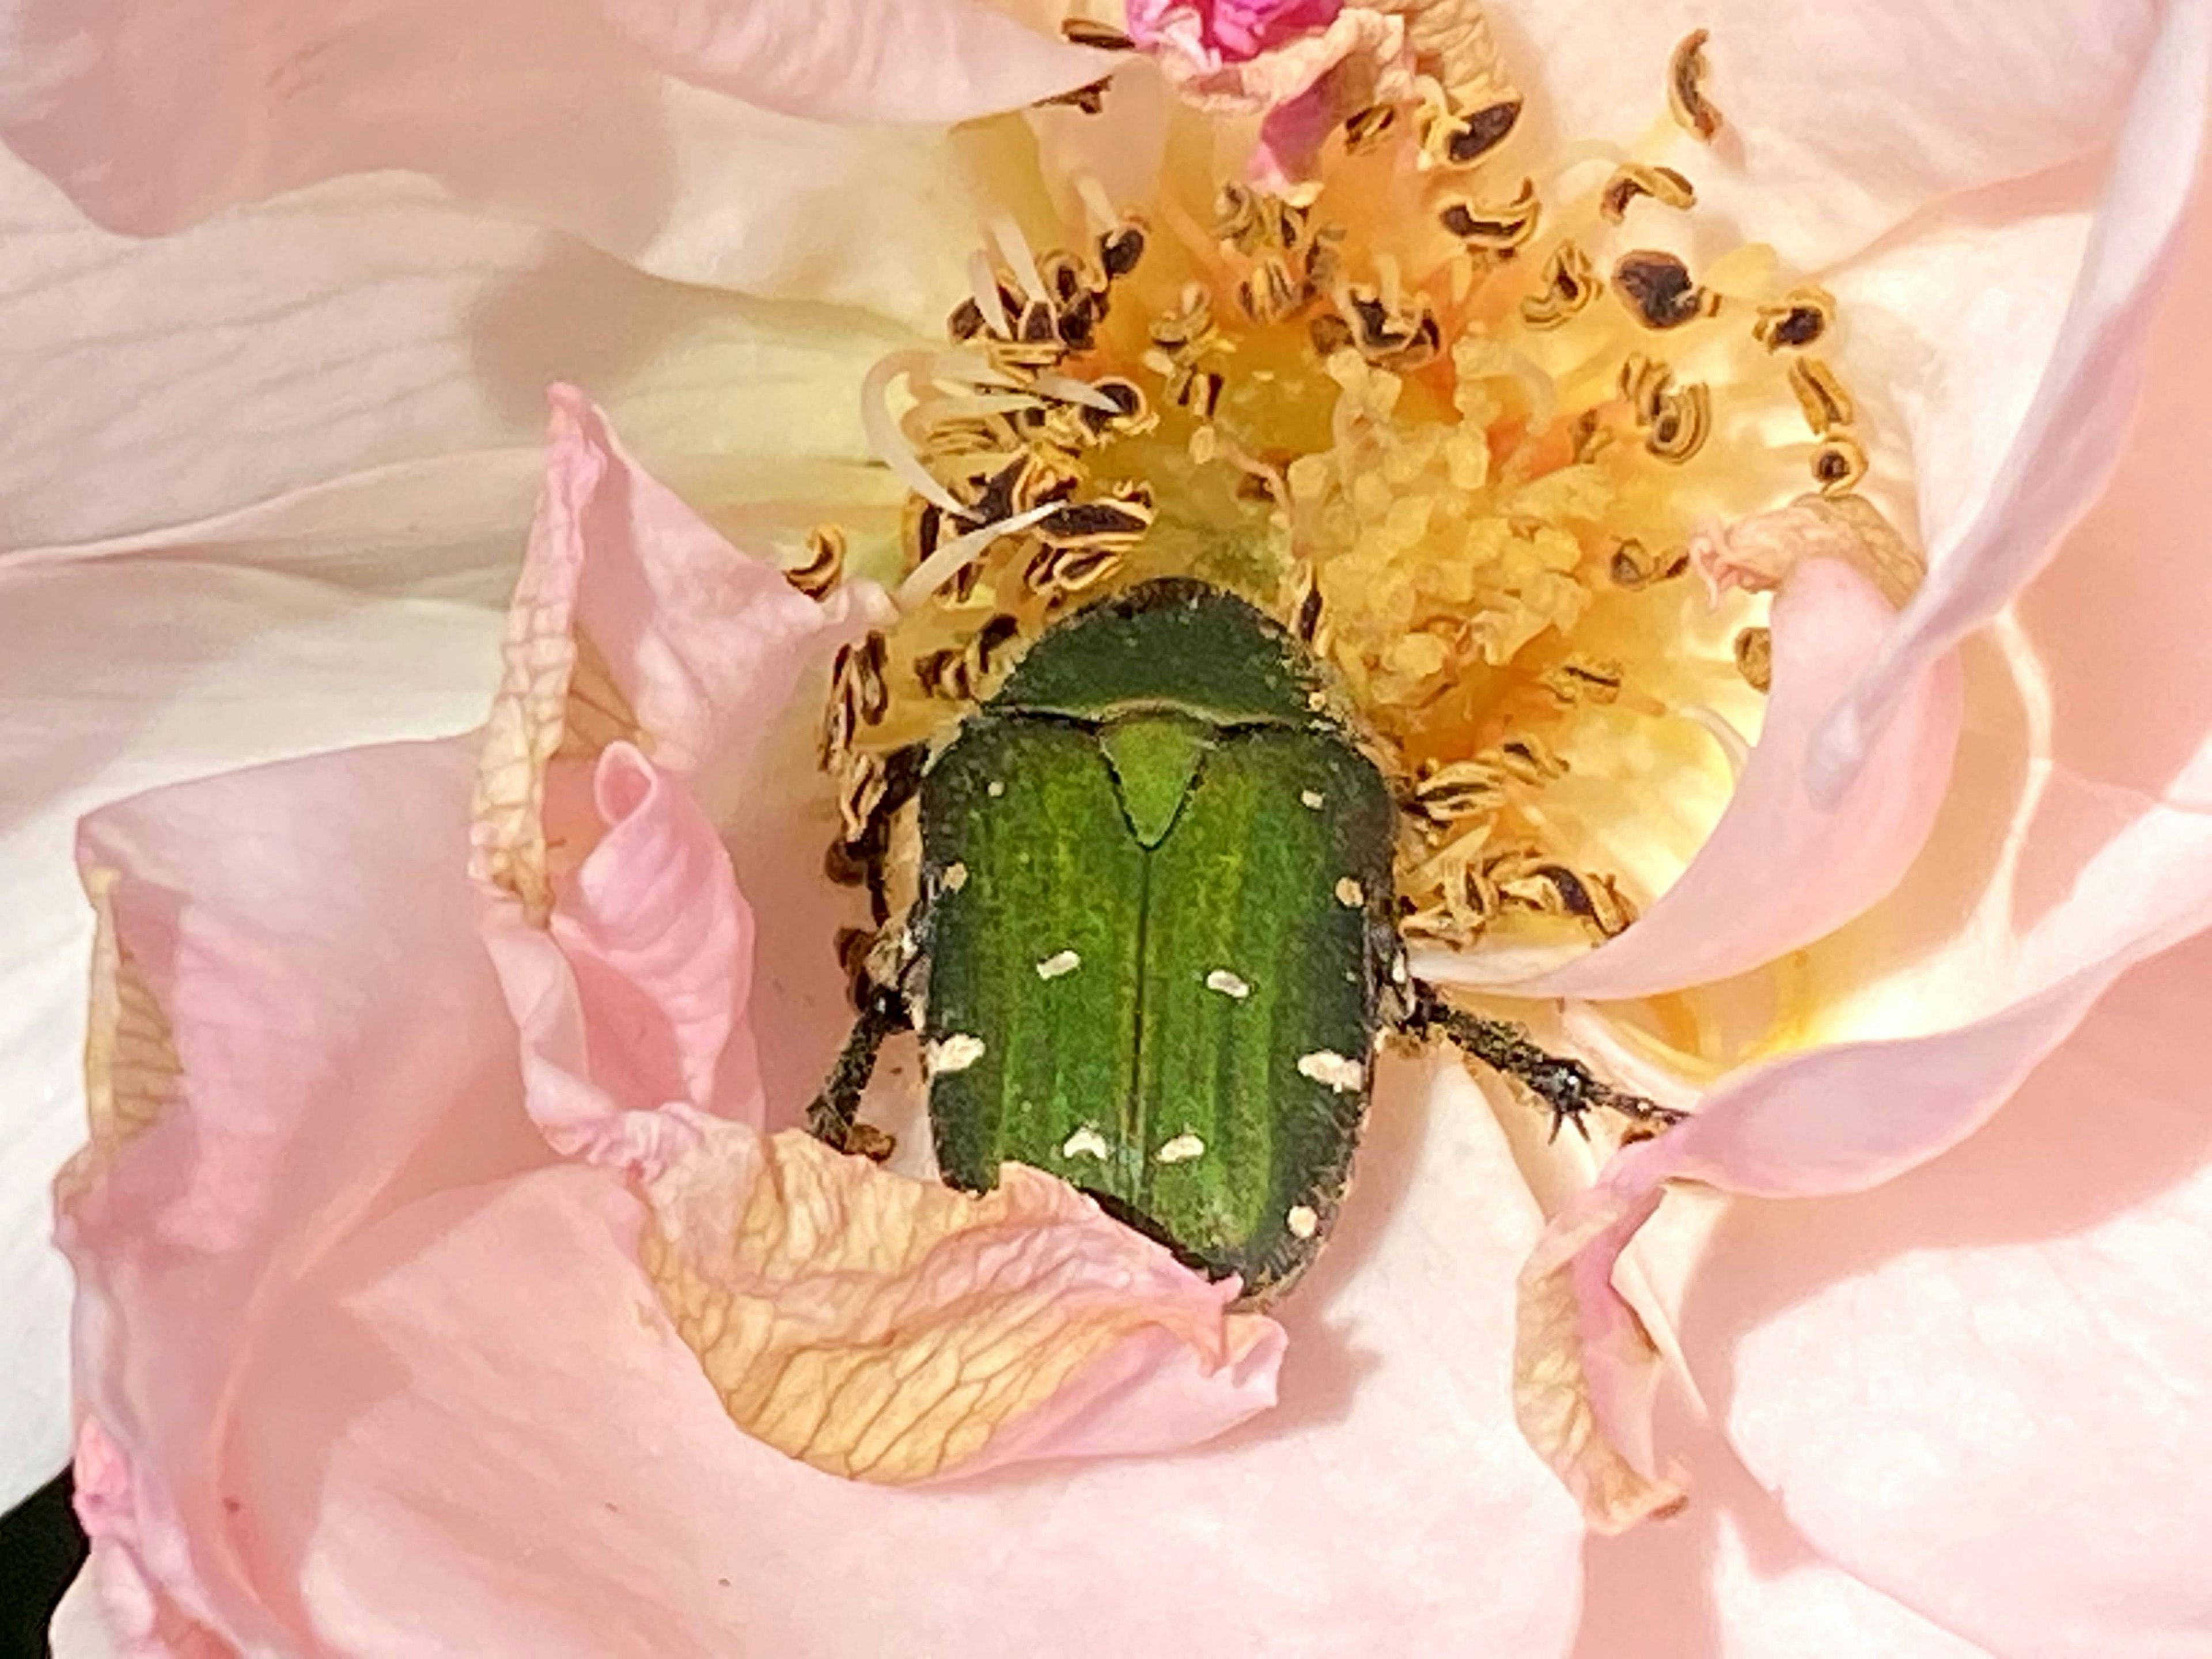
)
(1154, 945)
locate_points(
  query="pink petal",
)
(2073, 431)
(2079, 844)
(629, 997)
(115, 679)
(1843, 121)
(292, 1030)
(1946, 1378)
(856, 60)
(1779, 870)
(400, 348)
(511, 1449)
(153, 119)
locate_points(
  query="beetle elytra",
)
(1153, 948)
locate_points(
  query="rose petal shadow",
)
(2098, 1129)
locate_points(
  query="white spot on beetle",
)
(1331, 1070)
(1058, 963)
(1228, 984)
(994, 789)
(1180, 1150)
(1314, 798)
(1349, 893)
(1085, 1142)
(1303, 1220)
(1398, 972)
(957, 1053)
(956, 878)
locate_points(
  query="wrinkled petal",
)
(118, 678)
(509, 1332)
(1779, 871)
(633, 620)
(253, 1099)
(885, 60)
(888, 1329)
(2070, 436)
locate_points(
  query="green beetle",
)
(1154, 947)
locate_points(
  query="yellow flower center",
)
(1452, 412)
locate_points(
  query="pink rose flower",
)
(449, 1276)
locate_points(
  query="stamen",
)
(983, 283)
(1069, 390)
(1015, 247)
(883, 432)
(940, 566)
(1734, 746)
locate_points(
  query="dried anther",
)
(1633, 566)
(1121, 248)
(1366, 128)
(1633, 178)
(825, 562)
(1582, 680)
(1498, 228)
(1674, 419)
(1681, 423)
(1754, 658)
(1118, 521)
(1445, 794)
(1569, 283)
(1657, 288)
(1827, 406)
(1465, 139)
(1090, 98)
(1839, 465)
(1797, 320)
(1685, 88)
(1082, 32)
(1399, 339)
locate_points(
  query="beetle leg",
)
(1566, 1087)
(830, 1117)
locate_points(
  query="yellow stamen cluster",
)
(1442, 412)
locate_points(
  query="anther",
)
(1657, 288)
(1754, 658)
(1466, 139)
(1680, 422)
(1796, 320)
(1839, 465)
(825, 562)
(1827, 406)
(1367, 128)
(1633, 566)
(1506, 226)
(1082, 32)
(1633, 178)
(1567, 284)
(1685, 88)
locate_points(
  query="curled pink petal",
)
(2072, 433)
(860, 60)
(292, 1026)
(1780, 869)
(1237, 30)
